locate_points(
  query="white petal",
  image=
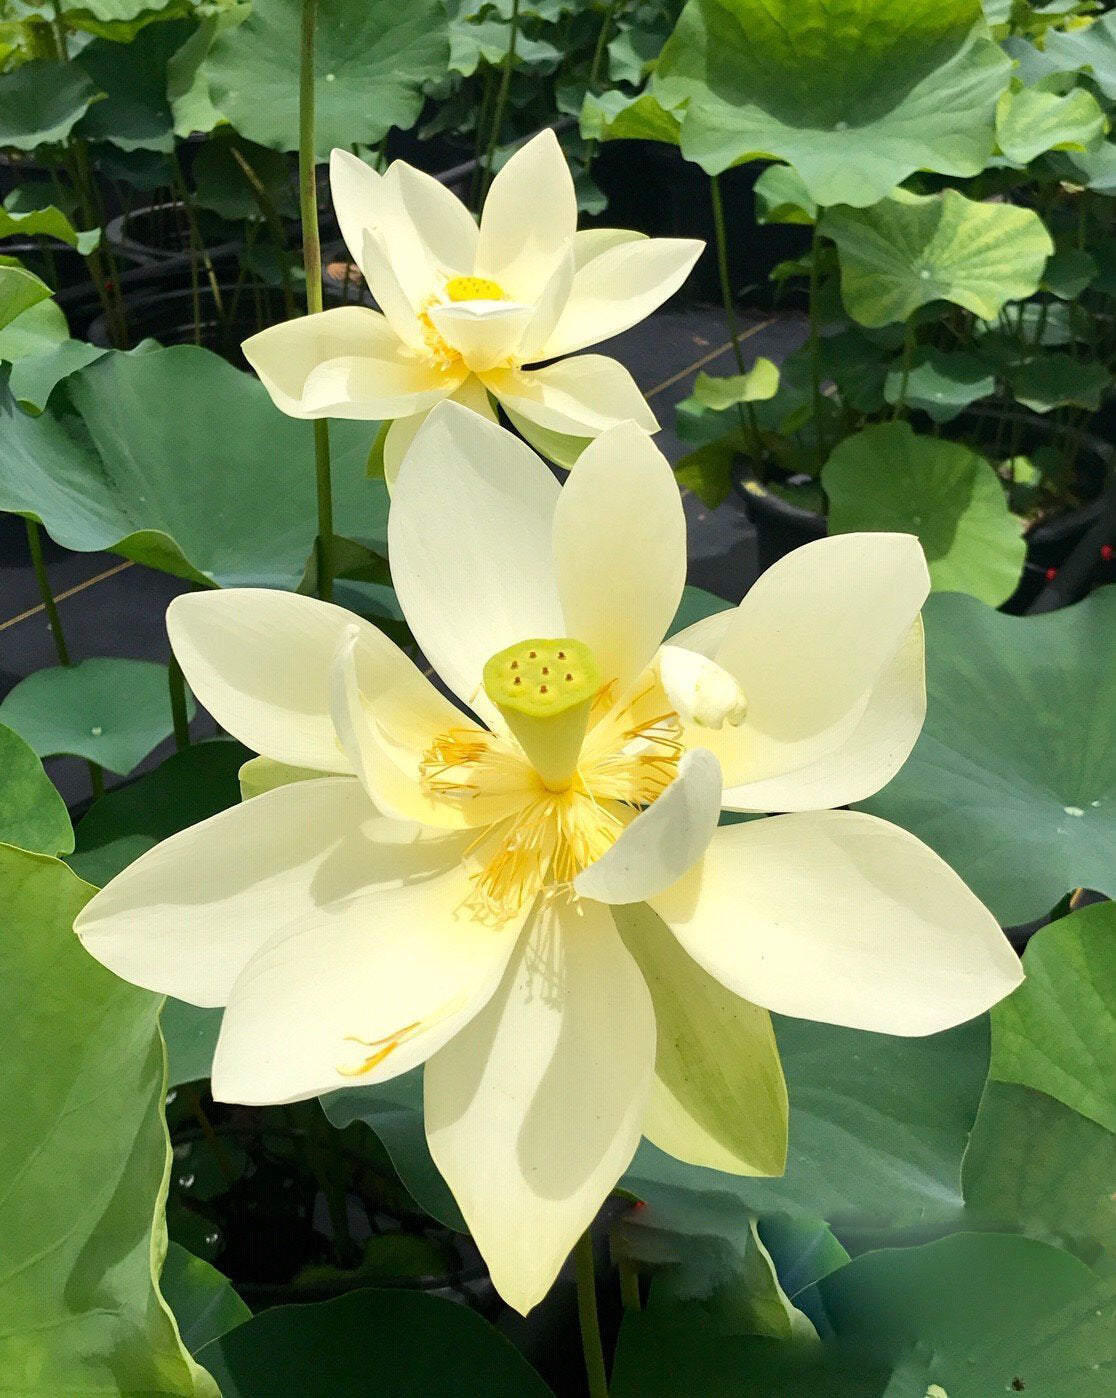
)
(821, 648)
(535, 1109)
(430, 234)
(397, 442)
(705, 636)
(186, 917)
(548, 308)
(285, 355)
(620, 551)
(387, 716)
(579, 397)
(591, 242)
(356, 190)
(469, 540)
(840, 917)
(400, 309)
(259, 661)
(699, 690)
(529, 216)
(367, 388)
(484, 333)
(620, 287)
(663, 841)
(401, 968)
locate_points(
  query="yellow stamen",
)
(384, 1047)
(475, 289)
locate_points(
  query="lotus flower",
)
(463, 310)
(526, 887)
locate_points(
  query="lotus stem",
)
(905, 369)
(271, 217)
(312, 262)
(180, 713)
(749, 423)
(588, 1318)
(815, 343)
(501, 99)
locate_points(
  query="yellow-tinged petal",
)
(363, 992)
(186, 917)
(285, 356)
(840, 917)
(578, 397)
(469, 539)
(535, 1109)
(529, 217)
(548, 307)
(619, 287)
(719, 1098)
(663, 841)
(356, 191)
(484, 333)
(471, 393)
(401, 311)
(428, 231)
(621, 566)
(260, 774)
(591, 242)
(699, 690)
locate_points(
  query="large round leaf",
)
(1091, 49)
(370, 1342)
(889, 478)
(1013, 780)
(855, 97)
(33, 815)
(372, 61)
(48, 221)
(203, 1301)
(41, 103)
(216, 486)
(910, 250)
(135, 114)
(85, 1172)
(111, 711)
(1030, 122)
(20, 290)
(1057, 1032)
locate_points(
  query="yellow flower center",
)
(475, 289)
(553, 798)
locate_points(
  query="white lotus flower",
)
(450, 890)
(463, 310)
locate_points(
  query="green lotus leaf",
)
(1039, 1168)
(42, 102)
(614, 116)
(941, 383)
(910, 250)
(1030, 122)
(855, 97)
(781, 197)
(1057, 1032)
(1069, 272)
(202, 1299)
(221, 185)
(1090, 49)
(85, 1176)
(36, 331)
(889, 478)
(19, 291)
(187, 83)
(707, 472)
(136, 114)
(176, 490)
(370, 1342)
(1013, 780)
(1094, 168)
(48, 221)
(33, 815)
(975, 1314)
(372, 60)
(1046, 381)
(760, 383)
(76, 709)
(35, 376)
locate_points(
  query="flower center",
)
(475, 289)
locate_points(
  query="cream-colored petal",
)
(620, 551)
(284, 356)
(620, 287)
(484, 333)
(383, 281)
(470, 392)
(812, 646)
(719, 1098)
(259, 660)
(369, 389)
(840, 917)
(591, 242)
(387, 716)
(186, 917)
(535, 1109)
(379, 983)
(663, 841)
(356, 190)
(529, 216)
(469, 540)
(548, 307)
(579, 397)
(700, 691)
(430, 234)
(870, 753)
(705, 636)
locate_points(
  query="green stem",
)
(179, 710)
(905, 369)
(312, 262)
(595, 72)
(275, 225)
(629, 1285)
(212, 1140)
(587, 1315)
(749, 424)
(501, 99)
(198, 248)
(815, 343)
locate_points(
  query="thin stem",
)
(905, 369)
(180, 713)
(197, 242)
(312, 262)
(587, 1315)
(595, 72)
(749, 423)
(35, 544)
(212, 1140)
(501, 99)
(275, 225)
(629, 1284)
(815, 343)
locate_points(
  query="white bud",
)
(700, 691)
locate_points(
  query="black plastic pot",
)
(160, 233)
(781, 527)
